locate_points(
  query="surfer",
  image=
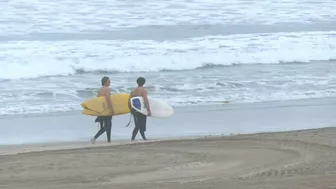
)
(105, 121)
(139, 119)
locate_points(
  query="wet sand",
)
(293, 159)
(222, 119)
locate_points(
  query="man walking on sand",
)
(105, 121)
(139, 119)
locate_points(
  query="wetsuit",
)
(140, 124)
(105, 125)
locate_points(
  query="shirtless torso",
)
(105, 91)
(141, 91)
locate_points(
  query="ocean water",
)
(54, 53)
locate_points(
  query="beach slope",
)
(293, 159)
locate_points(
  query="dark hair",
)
(104, 79)
(141, 81)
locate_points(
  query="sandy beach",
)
(292, 159)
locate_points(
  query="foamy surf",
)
(53, 54)
(31, 59)
(213, 85)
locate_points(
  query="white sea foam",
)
(176, 100)
(30, 59)
(203, 86)
(66, 23)
(27, 16)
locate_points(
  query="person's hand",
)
(149, 113)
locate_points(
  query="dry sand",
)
(298, 159)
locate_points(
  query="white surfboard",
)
(159, 108)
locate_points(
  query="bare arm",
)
(129, 101)
(144, 95)
(107, 95)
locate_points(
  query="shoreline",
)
(186, 122)
(15, 149)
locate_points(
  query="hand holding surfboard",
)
(159, 108)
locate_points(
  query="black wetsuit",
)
(105, 125)
(140, 124)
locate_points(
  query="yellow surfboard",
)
(98, 106)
